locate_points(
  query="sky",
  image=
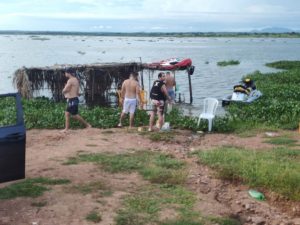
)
(149, 15)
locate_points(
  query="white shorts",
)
(129, 105)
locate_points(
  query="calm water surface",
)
(209, 80)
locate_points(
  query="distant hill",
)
(274, 30)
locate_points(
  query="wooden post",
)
(190, 87)
(142, 77)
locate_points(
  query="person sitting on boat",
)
(246, 87)
(248, 83)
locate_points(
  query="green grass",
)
(91, 145)
(277, 169)
(282, 141)
(219, 221)
(39, 204)
(94, 217)
(157, 168)
(225, 221)
(182, 222)
(166, 191)
(30, 187)
(144, 206)
(228, 63)
(88, 187)
(161, 136)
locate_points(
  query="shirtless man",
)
(130, 96)
(170, 84)
(71, 93)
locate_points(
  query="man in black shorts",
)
(71, 92)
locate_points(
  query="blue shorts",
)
(72, 106)
(171, 93)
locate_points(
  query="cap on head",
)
(247, 80)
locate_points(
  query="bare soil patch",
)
(47, 150)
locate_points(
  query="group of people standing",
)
(162, 92)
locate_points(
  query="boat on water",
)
(241, 97)
(245, 93)
(170, 64)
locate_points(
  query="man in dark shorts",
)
(71, 92)
(158, 95)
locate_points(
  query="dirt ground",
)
(47, 150)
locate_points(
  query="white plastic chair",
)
(209, 110)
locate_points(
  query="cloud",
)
(266, 9)
(148, 14)
(101, 27)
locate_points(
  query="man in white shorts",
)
(130, 96)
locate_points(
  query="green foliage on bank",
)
(284, 64)
(42, 113)
(279, 107)
(8, 111)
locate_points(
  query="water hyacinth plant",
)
(279, 106)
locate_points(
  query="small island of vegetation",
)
(228, 63)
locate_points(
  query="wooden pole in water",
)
(142, 77)
(190, 87)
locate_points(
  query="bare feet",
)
(119, 125)
(64, 131)
(88, 126)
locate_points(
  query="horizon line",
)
(151, 32)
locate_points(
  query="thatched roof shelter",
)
(97, 80)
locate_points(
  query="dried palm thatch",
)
(98, 81)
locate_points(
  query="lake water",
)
(209, 80)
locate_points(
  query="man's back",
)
(130, 87)
(170, 82)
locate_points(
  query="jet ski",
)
(245, 93)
